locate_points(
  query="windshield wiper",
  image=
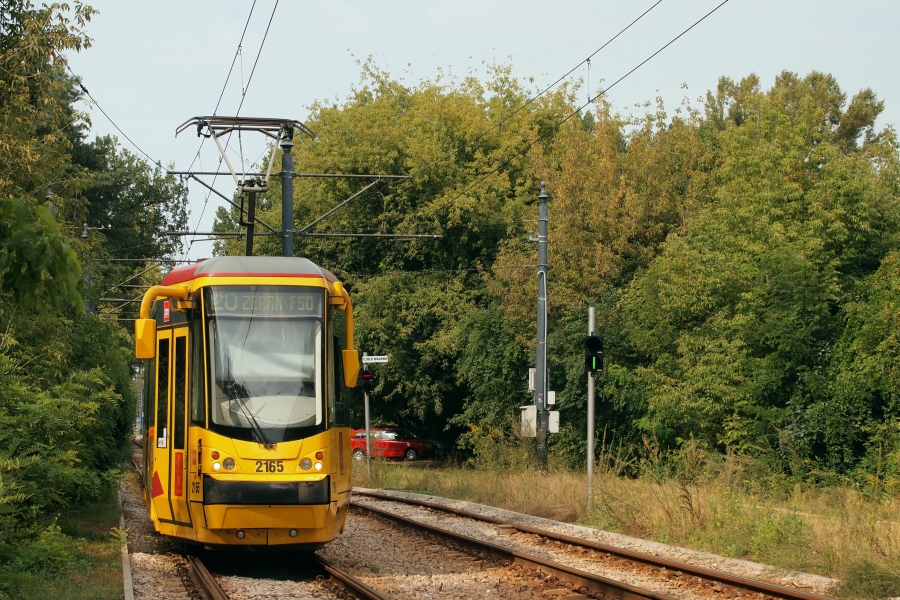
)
(254, 424)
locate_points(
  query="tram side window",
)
(180, 384)
(149, 389)
(162, 389)
(197, 400)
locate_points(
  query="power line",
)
(108, 118)
(583, 106)
(227, 79)
(541, 93)
(437, 271)
(258, 54)
(237, 52)
(243, 97)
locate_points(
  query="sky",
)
(154, 65)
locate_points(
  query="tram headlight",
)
(306, 464)
(217, 466)
(228, 463)
(318, 466)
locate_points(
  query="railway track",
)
(515, 569)
(204, 584)
(719, 582)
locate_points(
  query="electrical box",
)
(532, 372)
(551, 397)
(529, 421)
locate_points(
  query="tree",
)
(736, 319)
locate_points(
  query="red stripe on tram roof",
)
(182, 274)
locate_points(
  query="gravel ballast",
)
(527, 543)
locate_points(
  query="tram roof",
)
(248, 266)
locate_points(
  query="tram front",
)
(263, 417)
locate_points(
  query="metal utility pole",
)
(251, 221)
(278, 130)
(287, 193)
(590, 421)
(368, 435)
(540, 380)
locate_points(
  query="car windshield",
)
(265, 361)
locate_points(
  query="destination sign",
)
(374, 359)
(265, 300)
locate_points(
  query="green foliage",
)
(418, 300)
(66, 404)
(129, 201)
(50, 552)
(870, 579)
(31, 252)
(736, 321)
(490, 367)
(501, 448)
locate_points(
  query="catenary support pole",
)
(590, 421)
(287, 194)
(368, 435)
(251, 218)
(540, 395)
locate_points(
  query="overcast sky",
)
(154, 65)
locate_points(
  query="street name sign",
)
(374, 359)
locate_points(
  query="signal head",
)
(593, 354)
(368, 380)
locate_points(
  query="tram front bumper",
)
(271, 525)
(266, 517)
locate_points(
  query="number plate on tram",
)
(270, 466)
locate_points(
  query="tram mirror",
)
(145, 338)
(351, 367)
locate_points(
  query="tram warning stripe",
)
(157, 488)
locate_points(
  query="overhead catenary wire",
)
(481, 269)
(108, 118)
(466, 144)
(227, 79)
(531, 100)
(578, 110)
(244, 90)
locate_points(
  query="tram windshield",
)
(265, 347)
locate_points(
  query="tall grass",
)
(729, 505)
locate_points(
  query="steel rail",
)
(746, 583)
(594, 584)
(203, 580)
(210, 589)
(348, 580)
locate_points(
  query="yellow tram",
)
(246, 429)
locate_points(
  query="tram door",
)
(169, 483)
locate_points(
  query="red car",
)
(393, 442)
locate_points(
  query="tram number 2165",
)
(269, 466)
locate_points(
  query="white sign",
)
(532, 373)
(551, 397)
(374, 359)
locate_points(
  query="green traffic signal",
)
(593, 354)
